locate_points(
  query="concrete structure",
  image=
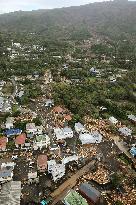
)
(88, 138)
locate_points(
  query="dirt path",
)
(70, 183)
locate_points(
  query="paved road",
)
(70, 183)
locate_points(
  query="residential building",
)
(57, 170)
(58, 110)
(9, 123)
(31, 128)
(74, 198)
(68, 159)
(132, 118)
(90, 193)
(6, 170)
(133, 151)
(79, 127)
(63, 133)
(88, 138)
(113, 120)
(49, 103)
(12, 132)
(125, 131)
(20, 140)
(41, 141)
(3, 143)
(42, 163)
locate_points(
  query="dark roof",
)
(89, 191)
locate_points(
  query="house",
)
(20, 93)
(49, 103)
(133, 151)
(112, 79)
(90, 193)
(55, 150)
(12, 132)
(57, 170)
(3, 142)
(41, 141)
(113, 120)
(11, 193)
(32, 175)
(6, 170)
(125, 131)
(132, 118)
(79, 127)
(58, 110)
(68, 159)
(9, 123)
(42, 163)
(20, 140)
(72, 198)
(67, 117)
(88, 138)
(31, 128)
(39, 130)
(63, 133)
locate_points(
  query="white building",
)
(41, 141)
(57, 170)
(63, 133)
(9, 123)
(132, 118)
(88, 138)
(68, 159)
(125, 131)
(113, 120)
(79, 127)
(31, 128)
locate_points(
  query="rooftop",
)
(73, 198)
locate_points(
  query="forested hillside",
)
(113, 19)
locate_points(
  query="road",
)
(59, 193)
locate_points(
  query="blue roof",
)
(43, 202)
(11, 132)
(133, 151)
(5, 173)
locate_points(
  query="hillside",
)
(113, 19)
